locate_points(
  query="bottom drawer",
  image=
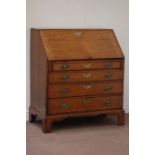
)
(79, 104)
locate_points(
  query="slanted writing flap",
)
(75, 44)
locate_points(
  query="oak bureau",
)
(75, 73)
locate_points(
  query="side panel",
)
(38, 76)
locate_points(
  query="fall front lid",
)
(75, 44)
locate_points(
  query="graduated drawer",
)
(85, 64)
(82, 89)
(85, 75)
(67, 105)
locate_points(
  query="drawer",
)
(85, 75)
(82, 89)
(89, 64)
(67, 105)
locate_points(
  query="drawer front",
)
(85, 75)
(82, 89)
(90, 64)
(67, 105)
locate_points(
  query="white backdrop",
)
(80, 14)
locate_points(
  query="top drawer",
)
(87, 64)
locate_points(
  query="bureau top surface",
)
(75, 44)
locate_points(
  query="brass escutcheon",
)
(78, 33)
(86, 100)
(87, 75)
(87, 65)
(87, 86)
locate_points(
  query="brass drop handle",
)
(108, 88)
(108, 64)
(64, 78)
(108, 75)
(87, 75)
(107, 102)
(65, 66)
(63, 91)
(64, 106)
(86, 100)
(87, 65)
(87, 86)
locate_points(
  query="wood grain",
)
(85, 75)
(69, 45)
(75, 73)
(38, 76)
(78, 104)
(86, 64)
(83, 89)
(47, 123)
